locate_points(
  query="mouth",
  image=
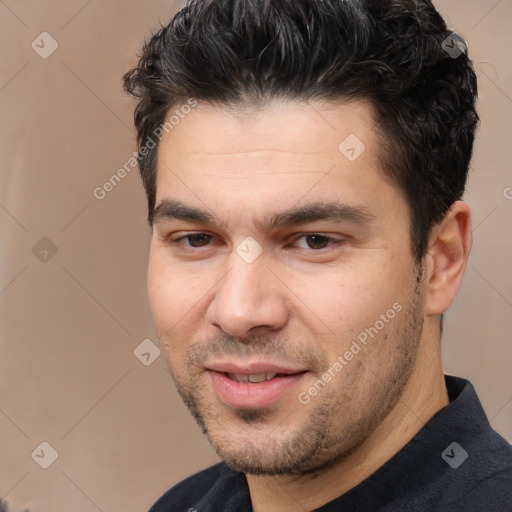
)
(255, 378)
(255, 385)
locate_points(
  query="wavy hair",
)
(391, 53)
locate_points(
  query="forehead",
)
(303, 128)
(279, 155)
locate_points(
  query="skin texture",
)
(304, 300)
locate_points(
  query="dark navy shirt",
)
(456, 462)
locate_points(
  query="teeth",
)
(254, 379)
(238, 378)
(259, 377)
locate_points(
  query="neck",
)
(423, 397)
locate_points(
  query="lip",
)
(253, 368)
(243, 395)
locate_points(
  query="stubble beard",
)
(336, 425)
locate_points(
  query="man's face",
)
(283, 301)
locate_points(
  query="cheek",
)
(169, 294)
(343, 302)
(161, 294)
(173, 296)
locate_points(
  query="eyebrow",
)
(311, 212)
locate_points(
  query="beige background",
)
(69, 326)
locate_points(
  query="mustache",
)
(264, 347)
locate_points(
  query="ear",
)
(449, 246)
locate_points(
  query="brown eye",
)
(197, 240)
(317, 241)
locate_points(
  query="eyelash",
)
(330, 240)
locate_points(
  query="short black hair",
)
(393, 53)
(4, 506)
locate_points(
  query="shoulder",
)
(492, 489)
(481, 478)
(187, 492)
(492, 494)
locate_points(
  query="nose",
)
(249, 298)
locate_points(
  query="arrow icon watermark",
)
(44, 250)
(44, 45)
(146, 352)
(454, 455)
(352, 147)
(454, 45)
(45, 455)
(249, 250)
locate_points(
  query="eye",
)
(316, 241)
(195, 240)
(309, 241)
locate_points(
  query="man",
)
(304, 162)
